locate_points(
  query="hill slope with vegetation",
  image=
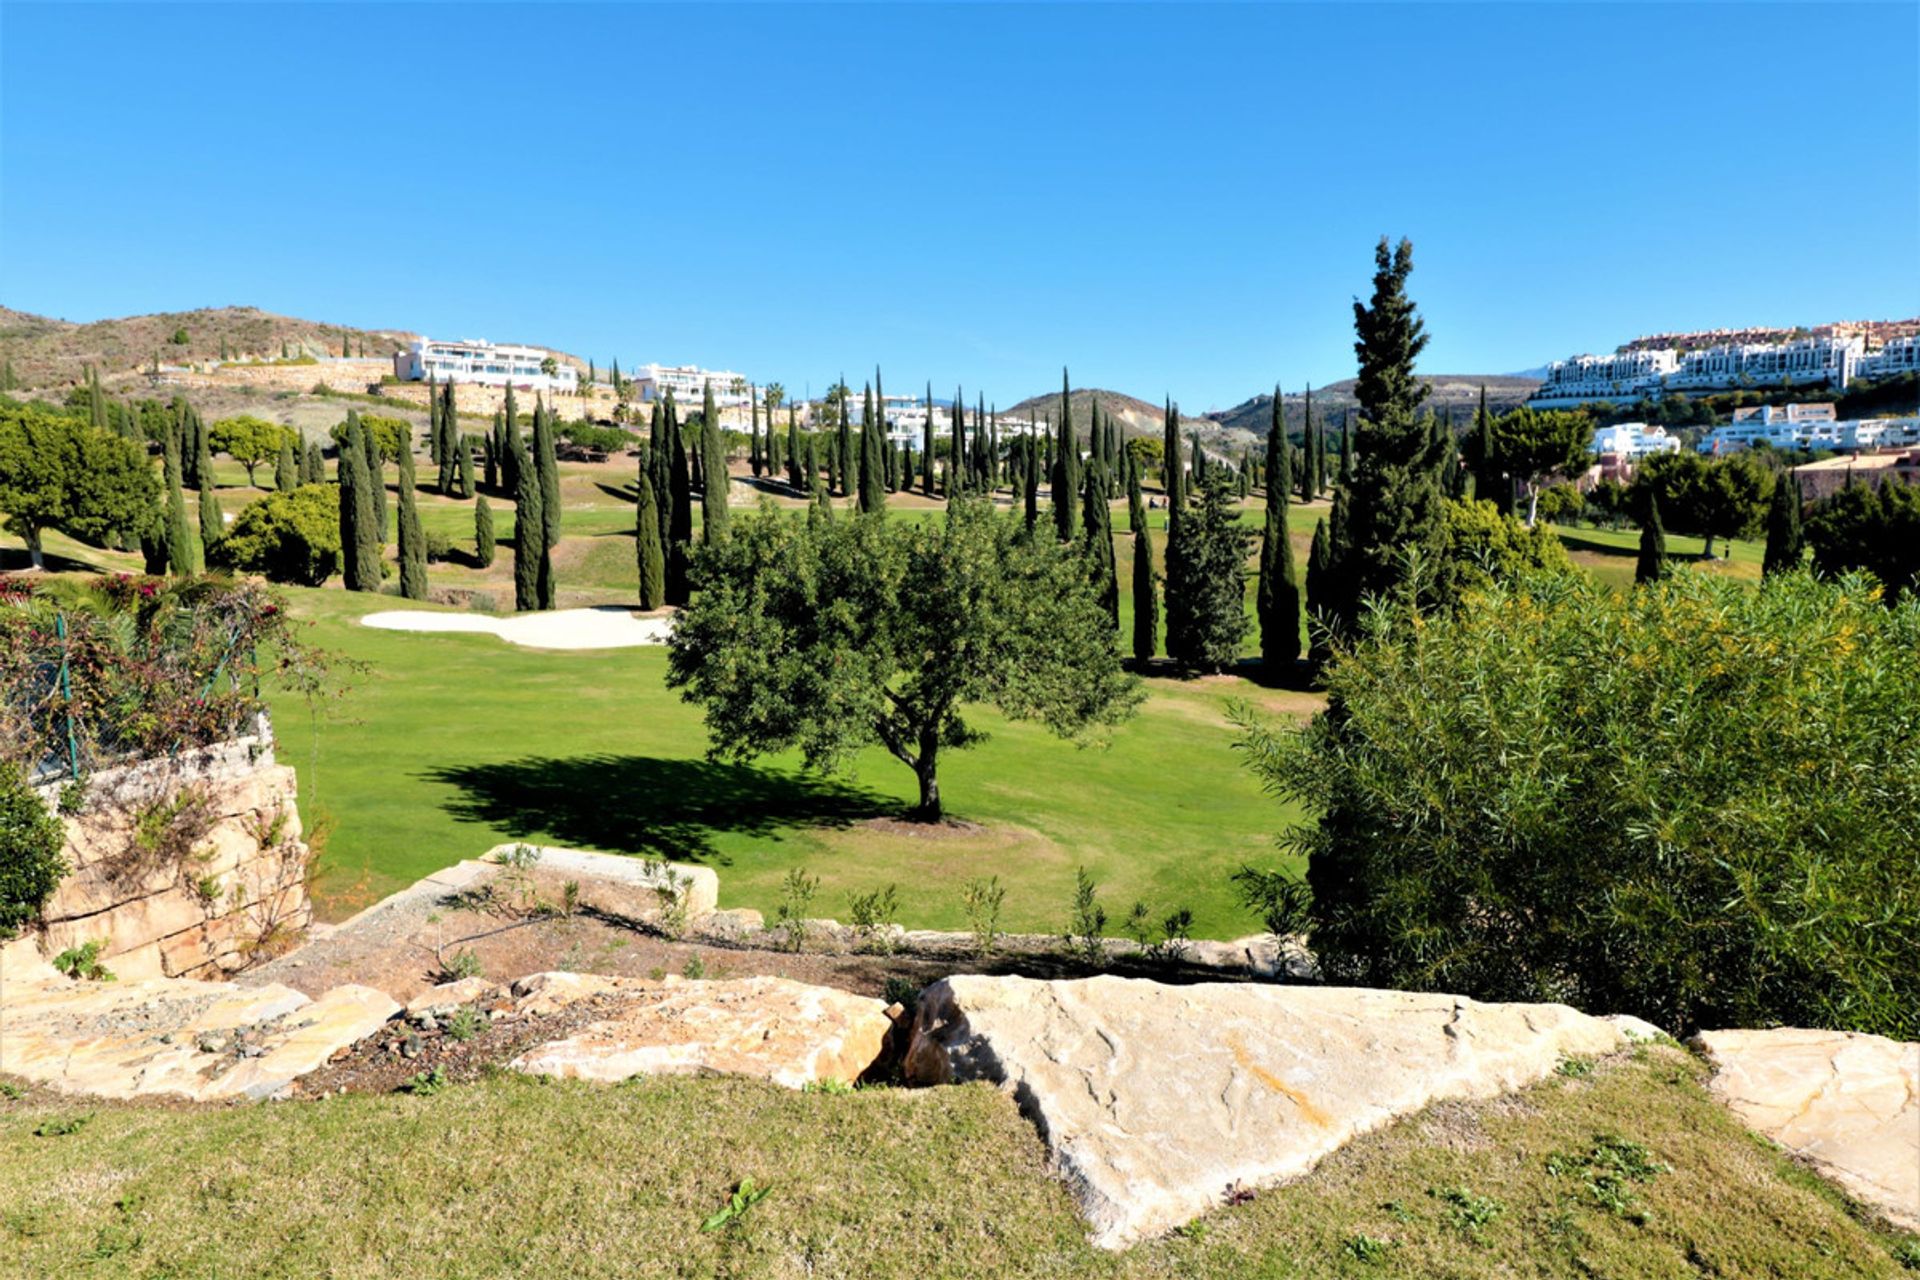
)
(1136, 416)
(1457, 394)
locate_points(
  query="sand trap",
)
(603, 627)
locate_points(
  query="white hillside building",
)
(687, 383)
(1633, 440)
(492, 364)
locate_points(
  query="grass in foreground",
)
(522, 1177)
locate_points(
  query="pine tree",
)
(184, 558)
(286, 472)
(873, 441)
(483, 538)
(1278, 602)
(1652, 564)
(1097, 545)
(529, 529)
(652, 559)
(413, 543)
(1786, 543)
(713, 469)
(1066, 467)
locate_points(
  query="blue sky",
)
(1171, 199)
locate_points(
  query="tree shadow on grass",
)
(628, 493)
(648, 805)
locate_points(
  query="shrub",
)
(872, 916)
(982, 899)
(796, 900)
(30, 859)
(439, 547)
(460, 965)
(1281, 901)
(1693, 801)
(83, 962)
(1087, 927)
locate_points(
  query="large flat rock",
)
(1847, 1102)
(1157, 1101)
(772, 1029)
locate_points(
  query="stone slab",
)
(1158, 1101)
(1847, 1102)
(774, 1029)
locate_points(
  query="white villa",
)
(476, 360)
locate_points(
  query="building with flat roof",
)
(1624, 375)
(1829, 476)
(490, 363)
(687, 384)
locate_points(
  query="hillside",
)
(1136, 416)
(47, 352)
(1454, 393)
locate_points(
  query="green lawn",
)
(519, 1177)
(448, 744)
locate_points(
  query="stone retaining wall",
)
(236, 884)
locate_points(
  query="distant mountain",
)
(1457, 394)
(1137, 417)
(47, 352)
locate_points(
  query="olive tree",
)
(289, 537)
(61, 473)
(249, 441)
(830, 637)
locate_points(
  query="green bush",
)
(1484, 546)
(290, 537)
(30, 844)
(1694, 801)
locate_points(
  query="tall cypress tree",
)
(413, 544)
(1172, 468)
(1030, 482)
(212, 523)
(680, 511)
(844, 463)
(1097, 545)
(1652, 564)
(754, 459)
(1278, 600)
(314, 467)
(547, 471)
(286, 472)
(184, 558)
(1785, 540)
(652, 559)
(376, 466)
(433, 419)
(1488, 483)
(1146, 601)
(511, 451)
(1321, 587)
(360, 543)
(1066, 467)
(873, 442)
(463, 453)
(449, 442)
(927, 454)
(529, 529)
(713, 469)
(794, 458)
(483, 536)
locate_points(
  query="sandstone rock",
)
(448, 997)
(1155, 1100)
(733, 925)
(628, 885)
(547, 992)
(1850, 1103)
(343, 1016)
(772, 1029)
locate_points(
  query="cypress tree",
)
(359, 545)
(96, 400)
(433, 419)
(1136, 504)
(463, 454)
(1278, 602)
(1098, 543)
(1066, 467)
(873, 442)
(1486, 481)
(448, 446)
(1146, 600)
(314, 470)
(820, 507)
(547, 467)
(679, 510)
(286, 472)
(483, 539)
(1652, 564)
(713, 469)
(413, 544)
(512, 453)
(927, 454)
(1030, 482)
(957, 447)
(652, 559)
(844, 465)
(1172, 469)
(376, 479)
(794, 458)
(1320, 583)
(529, 530)
(212, 523)
(184, 559)
(1346, 446)
(496, 455)
(753, 433)
(1785, 541)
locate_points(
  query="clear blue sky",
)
(1174, 199)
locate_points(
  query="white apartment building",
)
(1624, 375)
(1899, 355)
(1804, 360)
(687, 383)
(1633, 440)
(1807, 427)
(476, 360)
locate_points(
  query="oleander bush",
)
(1696, 801)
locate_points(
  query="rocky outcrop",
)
(178, 1038)
(182, 873)
(772, 1029)
(1159, 1101)
(1847, 1102)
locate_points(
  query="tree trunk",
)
(35, 563)
(1708, 552)
(928, 810)
(1533, 504)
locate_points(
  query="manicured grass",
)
(447, 744)
(1610, 554)
(517, 1177)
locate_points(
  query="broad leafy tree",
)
(249, 441)
(832, 636)
(61, 473)
(289, 537)
(1534, 447)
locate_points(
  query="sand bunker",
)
(604, 627)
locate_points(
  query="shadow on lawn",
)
(647, 805)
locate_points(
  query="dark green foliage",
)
(449, 447)
(463, 453)
(375, 453)
(873, 443)
(650, 556)
(1146, 600)
(1206, 581)
(1097, 546)
(1173, 470)
(679, 545)
(886, 631)
(713, 468)
(1320, 585)
(1277, 601)
(313, 464)
(1879, 532)
(1652, 563)
(529, 531)
(185, 556)
(483, 536)
(360, 543)
(927, 453)
(1532, 447)
(291, 536)
(1066, 468)
(1692, 802)
(31, 840)
(286, 472)
(1786, 542)
(1712, 498)
(413, 544)
(58, 472)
